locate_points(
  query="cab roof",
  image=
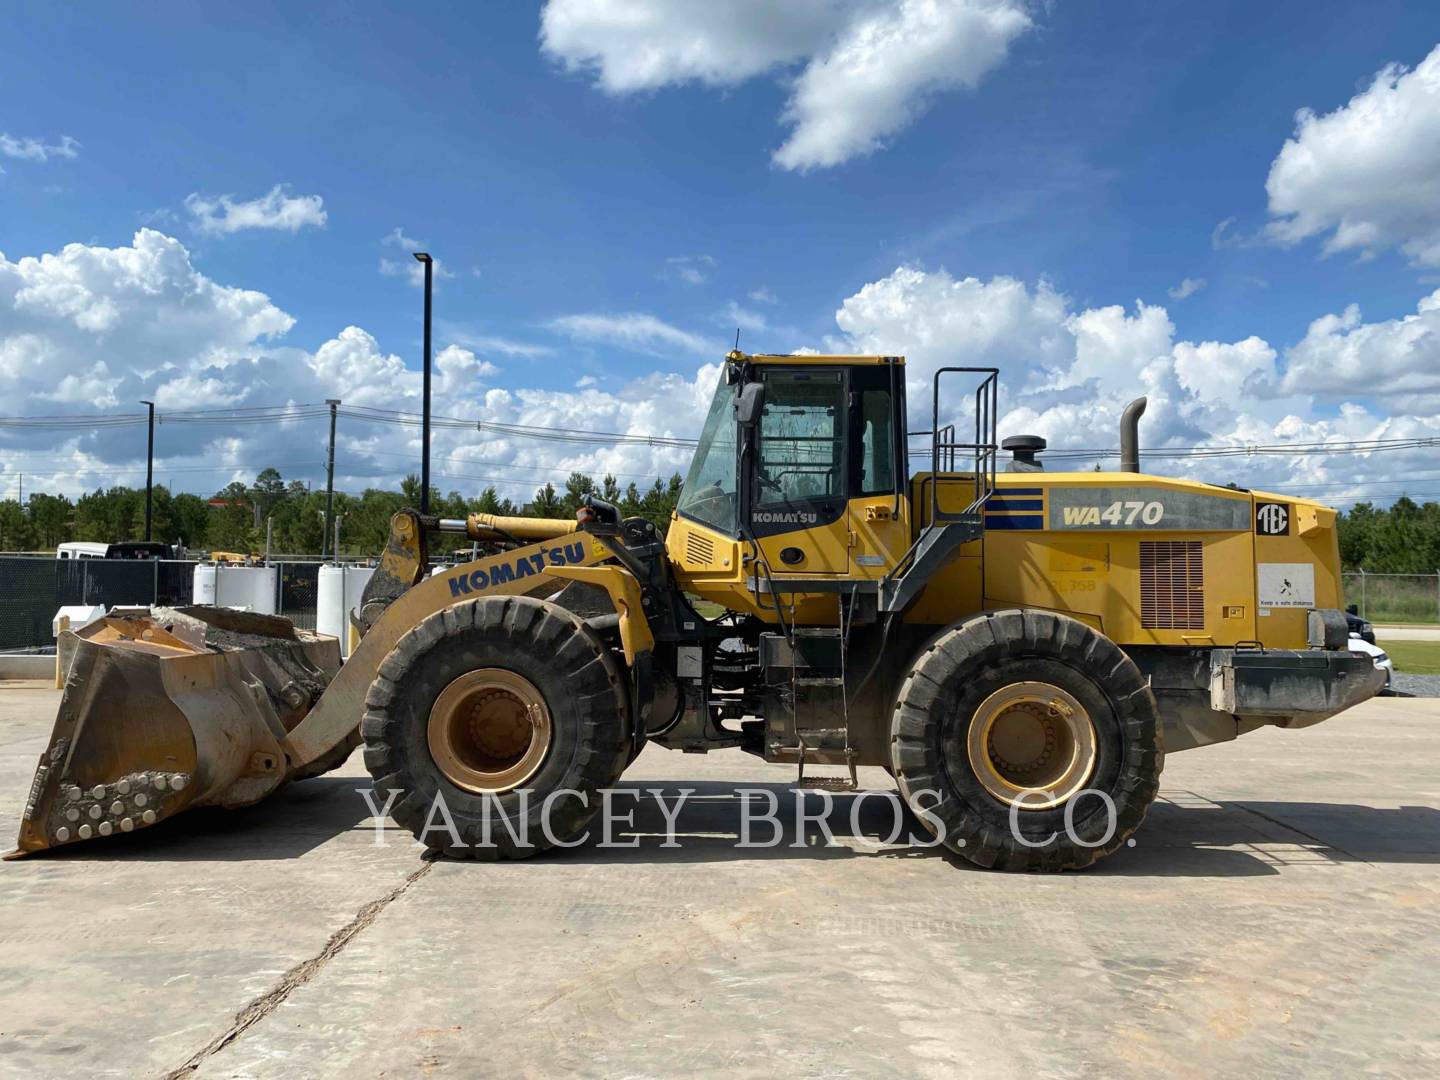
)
(811, 358)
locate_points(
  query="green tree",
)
(50, 517)
(546, 503)
(231, 526)
(268, 490)
(16, 533)
(577, 486)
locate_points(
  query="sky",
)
(1232, 208)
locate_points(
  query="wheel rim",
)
(1035, 740)
(489, 730)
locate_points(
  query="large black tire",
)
(945, 692)
(583, 688)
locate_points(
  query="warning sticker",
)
(1285, 585)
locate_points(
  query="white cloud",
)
(1067, 374)
(878, 76)
(90, 329)
(869, 66)
(762, 295)
(1367, 174)
(414, 270)
(743, 318)
(691, 269)
(221, 215)
(1188, 287)
(491, 343)
(30, 149)
(396, 238)
(1341, 355)
(633, 330)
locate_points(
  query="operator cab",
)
(804, 458)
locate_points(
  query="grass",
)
(1414, 657)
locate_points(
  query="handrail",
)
(983, 450)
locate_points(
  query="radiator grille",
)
(699, 549)
(1172, 585)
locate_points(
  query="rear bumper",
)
(1213, 695)
(1291, 687)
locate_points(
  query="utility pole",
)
(329, 477)
(425, 421)
(150, 472)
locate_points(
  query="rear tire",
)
(504, 700)
(1026, 709)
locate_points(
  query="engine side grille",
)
(699, 549)
(1172, 585)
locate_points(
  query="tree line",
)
(1401, 539)
(236, 517)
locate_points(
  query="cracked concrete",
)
(1278, 914)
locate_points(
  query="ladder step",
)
(816, 632)
(819, 680)
(828, 783)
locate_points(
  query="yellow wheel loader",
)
(1019, 648)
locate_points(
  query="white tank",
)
(338, 595)
(246, 588)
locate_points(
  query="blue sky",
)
(1094, 158)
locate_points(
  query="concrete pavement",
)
(1407, 633)
(1277, 914)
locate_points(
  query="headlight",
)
(1382, 659)
(1366, 628)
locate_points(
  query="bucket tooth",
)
(167, 710)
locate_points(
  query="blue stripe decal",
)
(1019, 521)
(1002, 492)
(1014, 504)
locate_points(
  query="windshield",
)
(709, 493)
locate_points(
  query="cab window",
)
(709, 493)
(801, 447)
(876, 431)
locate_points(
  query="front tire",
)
(1009, 724)
(506, 701)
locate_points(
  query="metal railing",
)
(980, 454)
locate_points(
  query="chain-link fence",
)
(1394, 597)
(34, 588)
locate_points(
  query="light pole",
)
(329, 478)
(149, 472)
(429, 264)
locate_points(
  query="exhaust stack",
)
(1130, 435)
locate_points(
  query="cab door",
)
(798, 480)
(877, 511)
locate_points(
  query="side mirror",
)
(1353, 609)
(749, 404)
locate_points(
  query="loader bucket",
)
(165, 709)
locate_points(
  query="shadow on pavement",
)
(287, 825)
(1183, 836)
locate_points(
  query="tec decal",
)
(467, 581)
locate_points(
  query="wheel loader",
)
(1019, 648)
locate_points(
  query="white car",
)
(1378, 655)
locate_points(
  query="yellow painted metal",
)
(59, 671)
(1032, 745)
(489, 730)
(337, 714)
(790, 360)
(1093, 575)
(497, 527)
(624, 592)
